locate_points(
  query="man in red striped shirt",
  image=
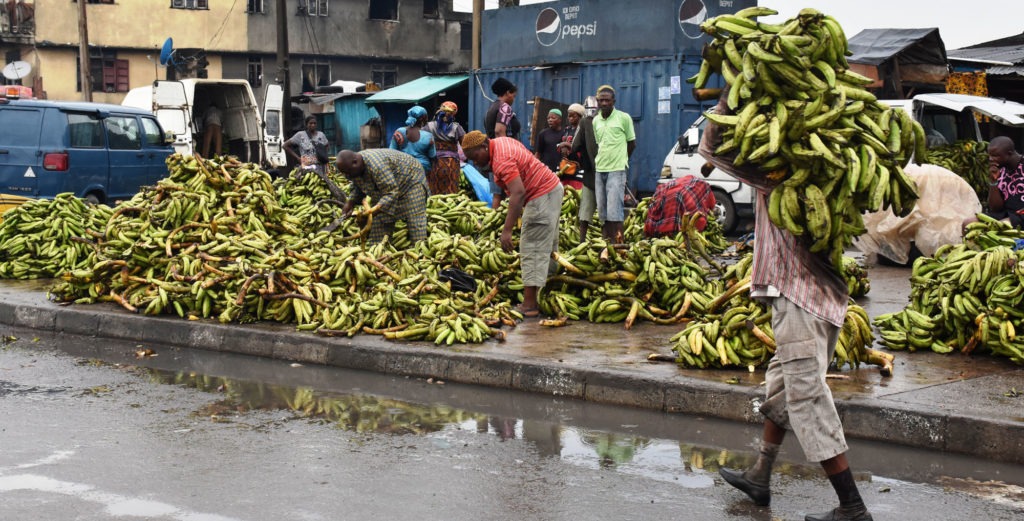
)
(535, 194)
(808, 301)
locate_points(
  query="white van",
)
(180, 106)
(735, 199)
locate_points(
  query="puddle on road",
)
(689, 465)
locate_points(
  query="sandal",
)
(530, 313)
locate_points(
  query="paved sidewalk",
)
(949, 403)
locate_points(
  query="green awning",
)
(417, 90)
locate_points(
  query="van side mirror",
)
(693, 139)
(169, 137)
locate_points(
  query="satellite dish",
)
(167, 52)
(17, 70)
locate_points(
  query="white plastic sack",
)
(946, 200)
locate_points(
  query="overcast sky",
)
(961, 23)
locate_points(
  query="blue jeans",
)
(610, 188)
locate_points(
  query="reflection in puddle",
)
(679, 462)
(689, 465)
(358, 413)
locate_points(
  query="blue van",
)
(103, 153)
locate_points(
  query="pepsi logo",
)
(691, 14)
(549, 26)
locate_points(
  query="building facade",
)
(385, 41)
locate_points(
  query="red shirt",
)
(511, 159)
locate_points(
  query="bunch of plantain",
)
(658, 280)
(966, 158)
(304, 195)
(43, 238)
(988, 233)
(735, 330)
(802, 118)
(742, 336)
(856, 276)
(968, 297)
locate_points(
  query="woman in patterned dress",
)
(444, 177)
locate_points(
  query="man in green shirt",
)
(615, 144)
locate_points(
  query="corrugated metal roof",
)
(1005, 71)
(1011, 54)
(417, 90)
(1009, 41)
(875, 46)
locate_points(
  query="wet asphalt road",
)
(91, 432)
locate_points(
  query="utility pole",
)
(282, 67)
(83, 52)
(478, 9)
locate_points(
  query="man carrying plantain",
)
(396, 184)
(535, 193)
(808, 302)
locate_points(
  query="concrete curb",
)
(878, 419)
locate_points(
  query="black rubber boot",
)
(848, 513)
(759, 493)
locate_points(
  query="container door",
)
(273, 134)
(21, 160)
(171, 106)
(129, 165)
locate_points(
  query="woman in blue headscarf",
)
(415, 141)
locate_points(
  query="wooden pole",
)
(282, 67)
(83, 52)
(478, 9)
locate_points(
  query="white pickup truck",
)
(946, 118)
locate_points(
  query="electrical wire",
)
(222, 24)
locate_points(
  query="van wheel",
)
(727, 211)
(92, 198)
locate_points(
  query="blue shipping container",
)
(570, 31)
(652, 90)
(564, 50)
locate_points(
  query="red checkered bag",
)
(672, 200)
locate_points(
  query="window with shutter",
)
(109, 75)
(121, 76)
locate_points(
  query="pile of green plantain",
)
(968, 297)
(800, 116)
(968, 159)
(217, 238)
(44, 238)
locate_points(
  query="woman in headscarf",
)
(444, 177)
(413, 140)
